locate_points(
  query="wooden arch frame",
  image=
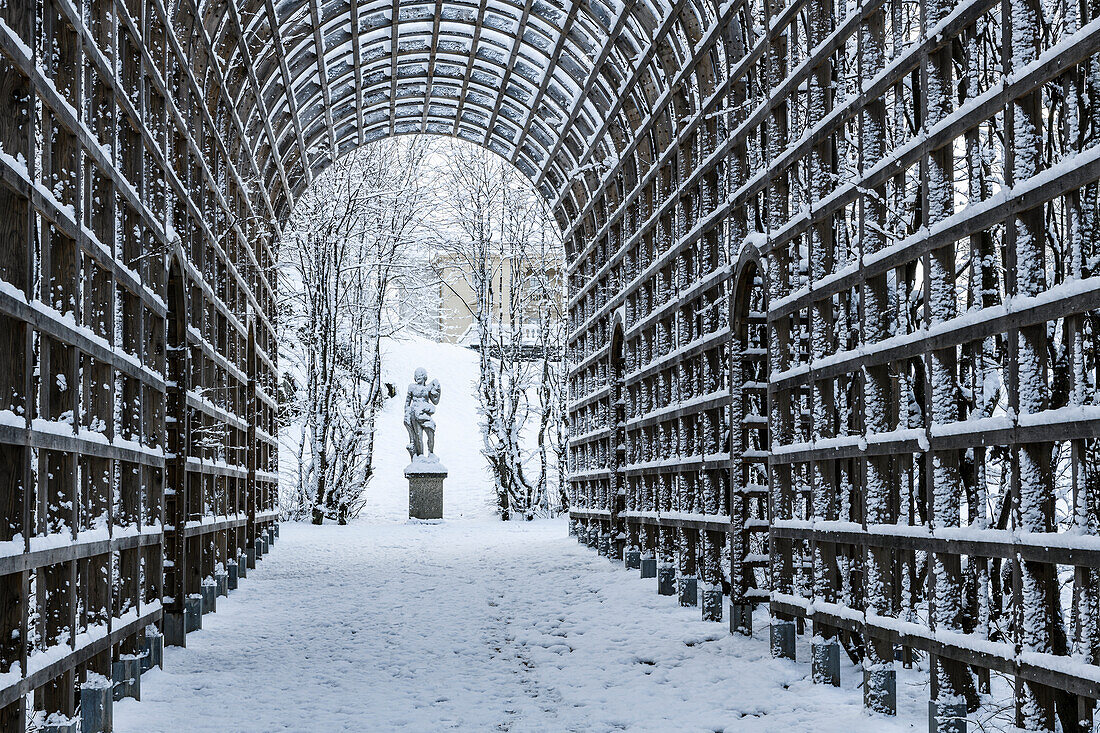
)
(749, 501)
(347, 104)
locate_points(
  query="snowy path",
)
(471, 625)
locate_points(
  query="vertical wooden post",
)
(176, 484)
(250, 441)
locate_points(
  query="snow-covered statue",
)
(420, 402)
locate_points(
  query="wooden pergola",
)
(833, 345)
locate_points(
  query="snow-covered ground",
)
(475, 625)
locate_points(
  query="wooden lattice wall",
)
(137, 370)
(851, 250)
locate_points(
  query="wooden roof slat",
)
(431, 63)
(470, 62)
(322, 71)
(357, 55)
(394, 38)
(280, 50)
(257, 90)
(516, 43)
(545, 83)
(593, 75)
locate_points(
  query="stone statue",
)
(420, 402)
(425, 473)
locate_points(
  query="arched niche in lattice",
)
(749, 437)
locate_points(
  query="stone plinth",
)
(152, 649)
(96, 704)
(127, 677)
(425, 475)
(192, 613)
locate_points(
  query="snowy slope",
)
(468, 490)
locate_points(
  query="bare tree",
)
(346, 243)
(493, 242)
(543, 262)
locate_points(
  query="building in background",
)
(437, 300)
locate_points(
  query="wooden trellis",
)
(851, 248)
(832, 305)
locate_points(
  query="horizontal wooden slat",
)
(77, 656)
(76, 550)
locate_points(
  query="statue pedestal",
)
(425, 475)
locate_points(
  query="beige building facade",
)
(455, 308)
